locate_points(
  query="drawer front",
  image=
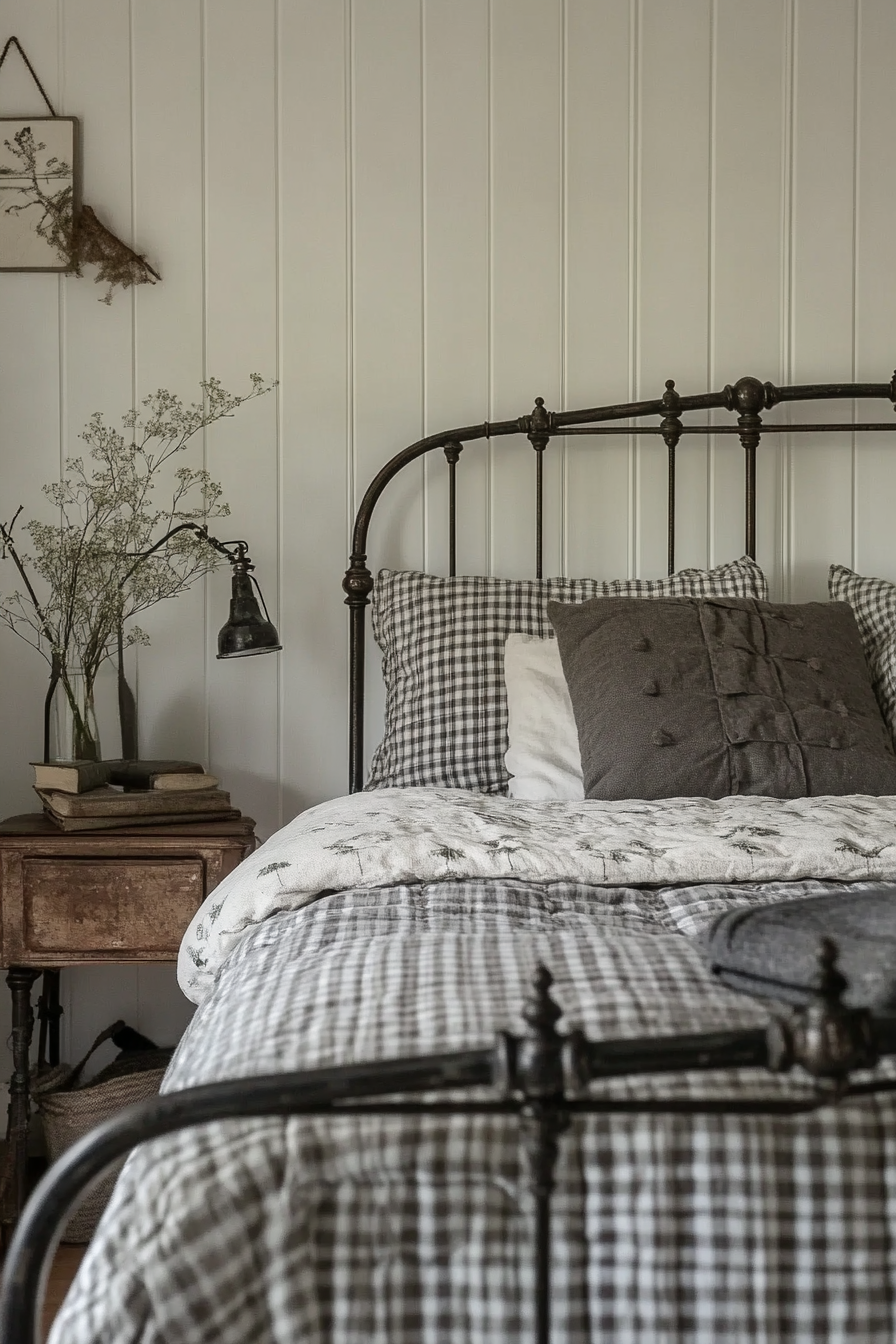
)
(109, 905)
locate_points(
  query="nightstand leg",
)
(20, 980)
(49, 1011)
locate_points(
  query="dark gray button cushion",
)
(685, 697)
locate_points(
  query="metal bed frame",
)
(541, 1077)
(748, 397)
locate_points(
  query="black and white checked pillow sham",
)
(443, 662)
(874, 604)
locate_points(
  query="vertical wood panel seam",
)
(711, 277)
(424, 247)
(278, 403)
(62, 312)
(564, 277)
(350, 263)
(132, 128)
(203, 212)
(132, 293)
(490, 334)
(787, 287)
(634, 270)
(854, 451)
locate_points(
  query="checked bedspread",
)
(666, 1228)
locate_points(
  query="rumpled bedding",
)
(666, 1228)
(421, 835)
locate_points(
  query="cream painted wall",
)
(418, 213)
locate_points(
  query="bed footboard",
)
(541, 1077)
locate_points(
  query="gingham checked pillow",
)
(874, 604)
(443, 662)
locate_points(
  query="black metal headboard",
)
(748, 397)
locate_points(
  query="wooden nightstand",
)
(123, 895)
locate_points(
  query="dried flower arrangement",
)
(80, 587)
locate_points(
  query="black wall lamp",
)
(246, 631)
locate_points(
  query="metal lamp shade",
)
(247, 631)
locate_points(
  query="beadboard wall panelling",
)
(750, 88)
(673, 262)
(875, 488)
(823, 282)
(242, 268)
(417, 214)
(456, 313)
(168, 150)
(600, 124)
(386, 158)
(315, 395)
(168, 144)
(527, 80)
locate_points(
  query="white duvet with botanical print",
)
(390, 836)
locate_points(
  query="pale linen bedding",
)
(437, 907)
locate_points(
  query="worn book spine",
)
(182, 782)
(139, 774)
(120, 823)
(141, 802)
(70, 776)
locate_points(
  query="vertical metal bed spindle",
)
(539, 436)
(452, 455)
(670, 428)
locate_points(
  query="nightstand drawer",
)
(109, 905)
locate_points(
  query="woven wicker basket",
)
(68, 1112)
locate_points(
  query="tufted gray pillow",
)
(685, 697)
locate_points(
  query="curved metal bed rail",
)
(541, 1077)
(748, 398)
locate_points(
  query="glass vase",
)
(75, 734)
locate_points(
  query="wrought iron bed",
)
(543, 1075)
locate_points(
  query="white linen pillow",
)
(543, 753)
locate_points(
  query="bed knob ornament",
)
(539, 425)
(358, 582)
(825, 1038)
(543, 1064)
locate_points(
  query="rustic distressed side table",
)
(124, 895)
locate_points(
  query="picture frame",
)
(40, 193)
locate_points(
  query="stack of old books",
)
(100, 795)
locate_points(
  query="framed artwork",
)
(39, 193)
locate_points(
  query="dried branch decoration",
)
(54, 207)
(116, 263)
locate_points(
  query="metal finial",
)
(540, 1011)
(831, 984)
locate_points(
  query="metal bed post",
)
(670, 427)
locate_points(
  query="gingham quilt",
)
(666, 1228)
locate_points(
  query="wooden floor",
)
(65, 1266)
(63, 1270)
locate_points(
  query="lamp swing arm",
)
(245, 632)
(240, 553)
